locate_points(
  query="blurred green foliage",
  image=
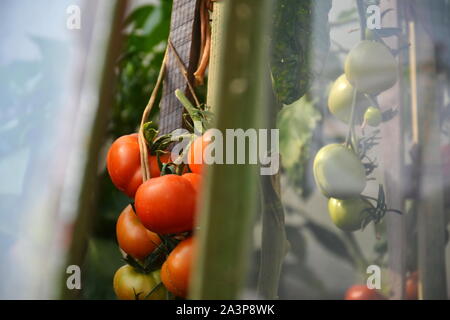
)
(146, 30)
(295, 45)
(296, 123)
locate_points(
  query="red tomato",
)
(361, 292)
(412, 286)
(124, 164)
(196, 152)
(195, 179)
(175, 272)
(166, 204)
(133, 237)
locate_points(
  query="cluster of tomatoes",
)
(362, 292)
(370, 68)
(156, 232)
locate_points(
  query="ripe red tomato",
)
(195, 179)
(133, 237)
(195, 154)
(362, 292)
(412, 286)
(166, 204)
(124, 164)
(175, 272)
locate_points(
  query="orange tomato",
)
(362, 292)
(196, 151)
(176, 270)
(123, 163)
(412, 286)
(133, 237)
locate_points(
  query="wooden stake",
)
(431, 217)
(392, 160)
(230, 192)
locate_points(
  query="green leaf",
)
(329, 240)
(149, 132)
(297, 241)
(300, 31)
(296, 123)
(160, 16)
(194, 112)
(139, 16)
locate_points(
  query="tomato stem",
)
(348, 139)
(167, 168)
(362, 18)
(192, 111)
(372, 101)
(156, 287)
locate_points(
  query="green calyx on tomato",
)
(130, 284)
(370, 67)
(340, 100)
(348, 214)
(373, 117)
(338, 172)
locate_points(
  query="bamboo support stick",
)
(216, 51)
(230, 192)
(392, 148)
(431, 216)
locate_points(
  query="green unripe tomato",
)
(373, 117)
(371, 67)
(338, 172)
(128, 283)
(348, 214)
(340, 100)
